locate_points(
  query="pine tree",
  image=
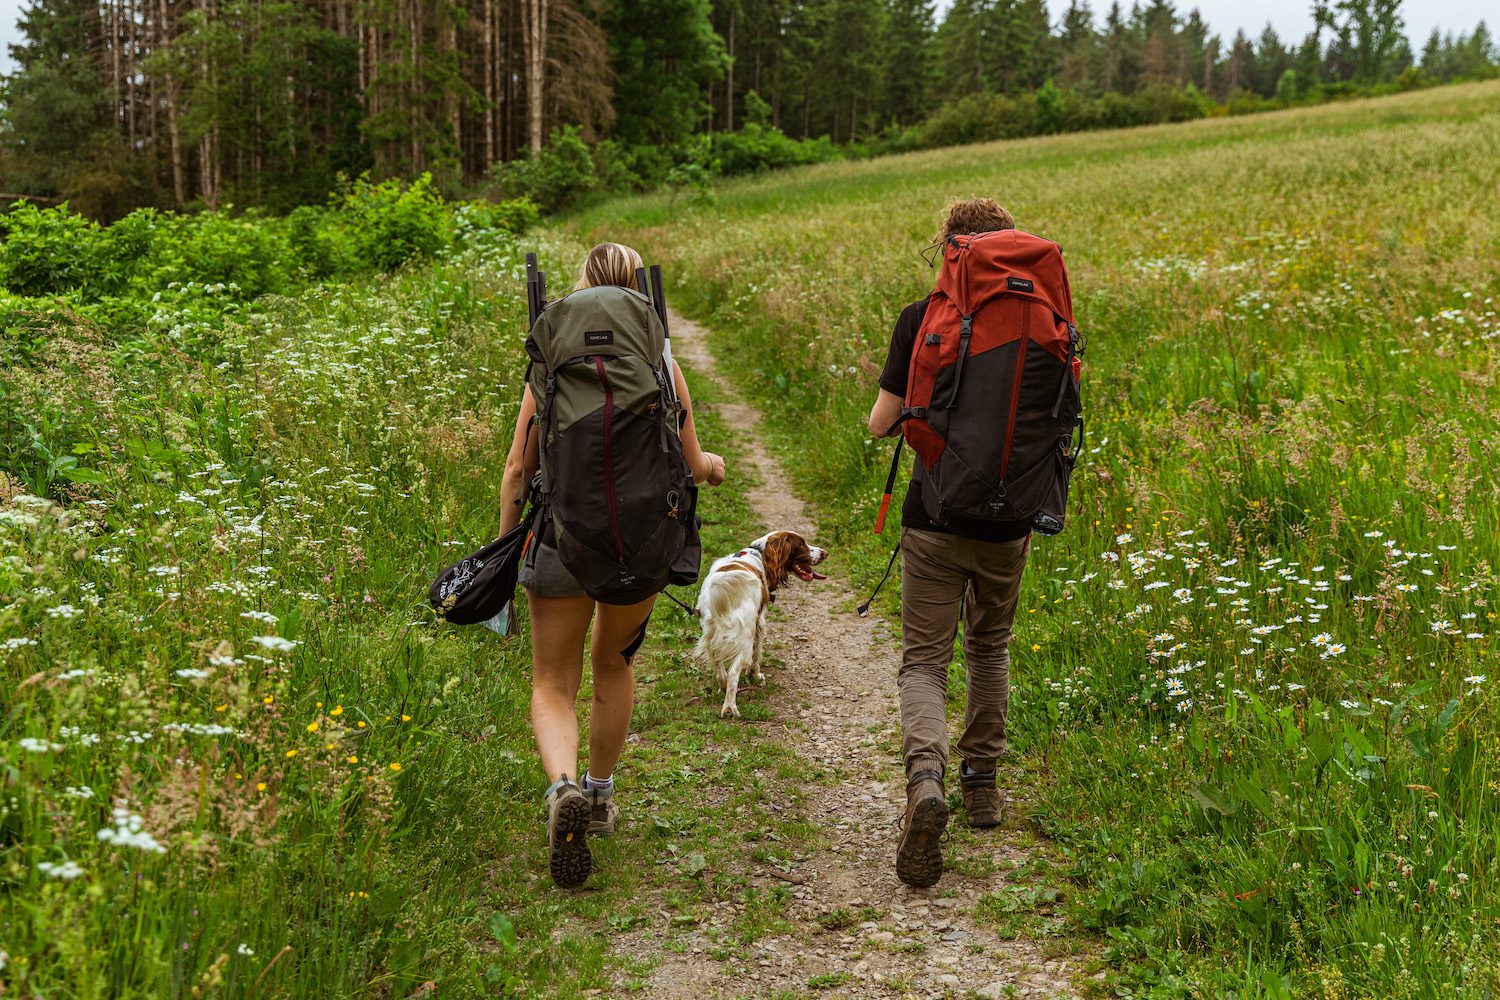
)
(906, 61)
(58, 106)
(1272, 60)
(1078, 44)
(665, 55)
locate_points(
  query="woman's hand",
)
(716, 472)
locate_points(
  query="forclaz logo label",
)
(598, 338)
(1018, 285)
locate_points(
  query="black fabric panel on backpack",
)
(968, 472)
(1036, 435)
(1037, 480)
(617, 537)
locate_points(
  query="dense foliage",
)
(1255, 701)
(119, 105)
(130, 271)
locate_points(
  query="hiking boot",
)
(568, 817)
(603, 813)
(982, 799)
(919, 856)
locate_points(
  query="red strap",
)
(890, 481)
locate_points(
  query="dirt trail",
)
(921, 942)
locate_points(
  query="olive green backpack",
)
(617, 496)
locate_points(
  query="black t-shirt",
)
(913, 513)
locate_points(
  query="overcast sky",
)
(1290, 17)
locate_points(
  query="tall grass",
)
(237, 757)
(1256, 675)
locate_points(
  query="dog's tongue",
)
(808, 574)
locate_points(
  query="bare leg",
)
(558, 625)
(615, 629)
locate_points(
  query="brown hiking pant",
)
(939, 574)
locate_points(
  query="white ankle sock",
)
(598, 784)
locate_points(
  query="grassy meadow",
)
(237, 758)
(1256, 676)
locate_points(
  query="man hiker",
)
(951, 563)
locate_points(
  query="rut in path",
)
(926, 942)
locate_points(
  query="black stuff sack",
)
(480, 588)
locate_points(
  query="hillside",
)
(1253, 704)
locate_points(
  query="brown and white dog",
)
(733, 604)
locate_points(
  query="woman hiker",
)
(561, 614)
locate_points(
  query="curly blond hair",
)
(974, 215)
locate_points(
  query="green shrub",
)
(553, 177)
(315, 238)
(513, 217)
(388, 224)
(130, 248)
(49, 251)
(217, 249)
(758, 147)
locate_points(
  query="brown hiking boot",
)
(982, 799)
(919, 855)
(568, 816)
(603, 813)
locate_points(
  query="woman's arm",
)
(705, 465)
(520, 465)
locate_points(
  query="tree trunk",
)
(179, 182)
(776, 89)
(454, 104)
(534, 20)
(130, 76)
(729, 79)
(115, 77)
(414, 83)
(489, 84)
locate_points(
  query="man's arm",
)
(893, 376)
(884, 413)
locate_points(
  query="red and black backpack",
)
(992, 397)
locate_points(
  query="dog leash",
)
(864, 609)
(686, 607)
